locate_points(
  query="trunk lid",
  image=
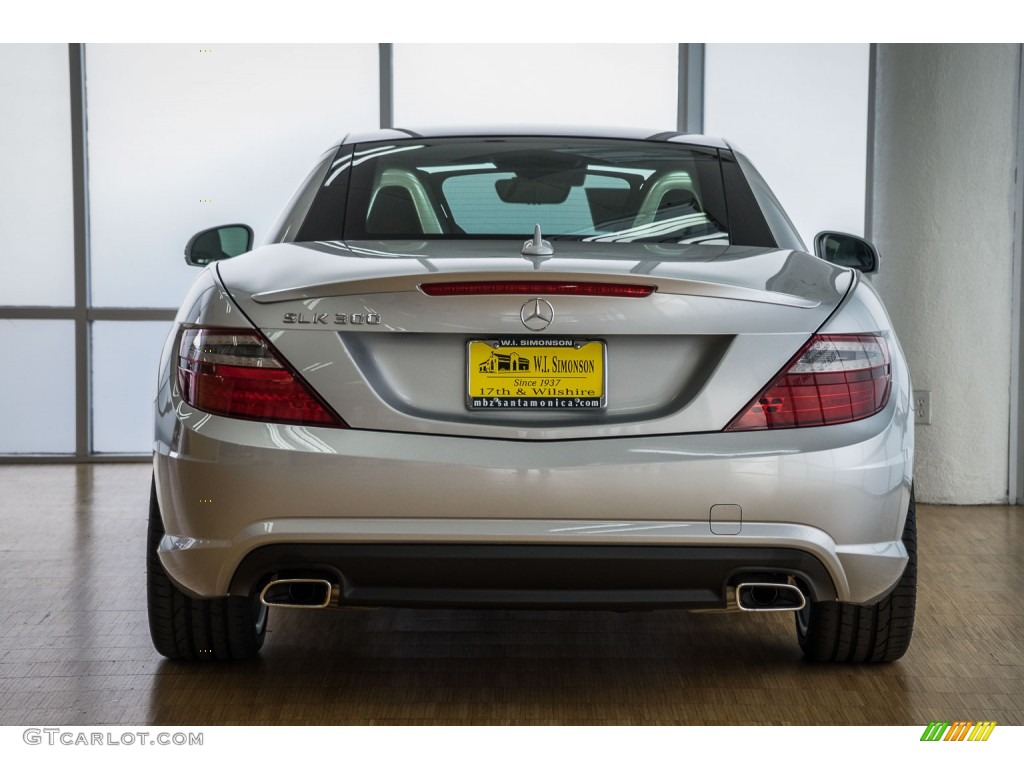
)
(354, 320)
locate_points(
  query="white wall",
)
(125, 356)
(943, 220)
(524, 84)
(37, 386)
(36, 215)
(37, 392)
(800, 113)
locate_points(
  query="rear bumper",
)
(527, 576)
(229, 490)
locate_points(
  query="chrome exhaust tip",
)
(768, 596)
(297, 593)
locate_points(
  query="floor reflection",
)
(418, 666)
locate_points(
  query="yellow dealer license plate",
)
(518, 374)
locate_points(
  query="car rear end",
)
(663, 410)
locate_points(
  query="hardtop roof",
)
(590, 132)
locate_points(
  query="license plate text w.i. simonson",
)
(529, 373)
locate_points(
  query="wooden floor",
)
(75, 649)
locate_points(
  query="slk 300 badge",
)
(329, 318)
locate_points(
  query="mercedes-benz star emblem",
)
(537, 314)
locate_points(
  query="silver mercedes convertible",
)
(532, 368)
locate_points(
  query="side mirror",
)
(846, 251)
(218, 243)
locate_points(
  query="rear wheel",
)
(184, 627)
(881, 632)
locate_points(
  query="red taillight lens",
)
(237, 374)
(832, 380)
(543, 287)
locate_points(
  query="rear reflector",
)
(543, 287)
(238, 374)
(832, 380)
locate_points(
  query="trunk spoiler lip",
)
(664, 285)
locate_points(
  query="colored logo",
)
(960, 730)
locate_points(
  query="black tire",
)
(184, 627)
(833, 631)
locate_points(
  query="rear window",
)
(588, 190)
(478, 209)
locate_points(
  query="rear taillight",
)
(238, 374)
(832, 380)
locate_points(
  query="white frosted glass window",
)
(522, 84)
(799, 112)
(37, 386)
(36, 210)
(125, 356)
(183, 137)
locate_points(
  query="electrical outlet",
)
(922, 406)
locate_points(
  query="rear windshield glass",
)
(576, 189)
